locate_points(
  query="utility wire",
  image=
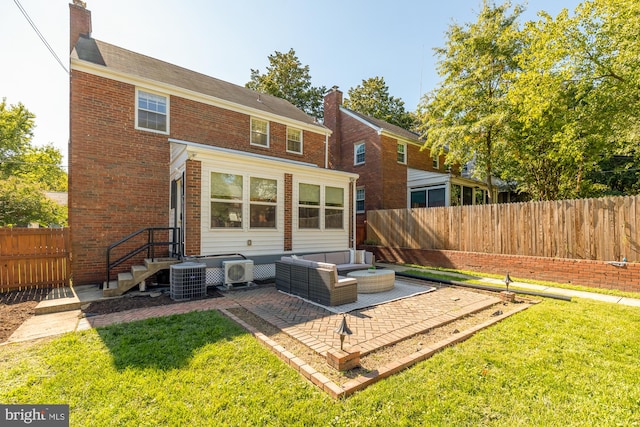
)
(46, 43)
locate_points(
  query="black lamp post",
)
(507, 280)
(343, 329)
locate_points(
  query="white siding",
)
(254, 241)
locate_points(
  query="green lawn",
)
(557, 363)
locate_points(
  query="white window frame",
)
(252, 132)
(298, 141)
(436, 163)
(401, 149)
(360, 191)
(245, 201)
(138, 109)
(322, 207)
(356, 148)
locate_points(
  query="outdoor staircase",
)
(138, 274)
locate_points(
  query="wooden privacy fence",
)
(34, 257)
(603, 229)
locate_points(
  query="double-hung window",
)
(309, 206)
(226, 200)
(152, 112)
(333, 207)
(358, 154)
(436, 162)
(259, 132)
(318, 201)
(294, 140)
(360, 199)
(401, 149)
(263, 200)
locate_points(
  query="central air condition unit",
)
(240, 271)
(187, 280)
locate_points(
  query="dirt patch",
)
(16, 307)
(380, 357)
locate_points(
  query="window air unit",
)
(187, 281)
(240, 271)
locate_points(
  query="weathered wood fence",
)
(34, 257)
(605, 229)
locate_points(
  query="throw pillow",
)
(359, 257)
(352, 256)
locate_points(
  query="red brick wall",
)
(193, 207)
(596, 274)
(79, 23)
(194, 122)
(394, 174)
(118, 177)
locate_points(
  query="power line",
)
(46, 43)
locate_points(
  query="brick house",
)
(394, 173)
(153, 144)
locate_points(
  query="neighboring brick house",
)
(395, 173)
(156, 145)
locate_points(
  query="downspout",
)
(326, 151)
(353, 213)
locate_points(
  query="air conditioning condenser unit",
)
(240, 271)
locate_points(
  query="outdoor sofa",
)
(319, 281)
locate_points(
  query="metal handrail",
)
(149, 246)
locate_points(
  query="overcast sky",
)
(342, 41)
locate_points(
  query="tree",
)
(22, 203)
(574, 100)
(465, 116)
(287, 78)
(27, 171)
(372, 98)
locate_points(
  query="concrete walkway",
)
(635, 302)
(48, 322)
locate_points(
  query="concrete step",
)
(71, 299)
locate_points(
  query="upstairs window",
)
(436, 162)
(402, 152)
(152, 112)
(259, 132)
(358, 151)
(294, 140)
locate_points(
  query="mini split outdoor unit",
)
(188, 280)
(240, 271)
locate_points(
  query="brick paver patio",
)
(372, 327)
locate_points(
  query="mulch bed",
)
(138, 300)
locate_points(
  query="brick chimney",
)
(332, 120)
(79, 23)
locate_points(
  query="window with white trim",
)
(401, 150)
(152, 111)
(358, 154)
(436, 162)
(334, 207)
(309, 206)
(360, 199)
(226, 200)
(294, 140)
(263, 202)
(259, 132)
